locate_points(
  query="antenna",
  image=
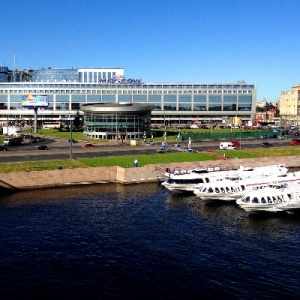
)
(15, 62)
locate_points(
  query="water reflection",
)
(124, 193)
(230, 218)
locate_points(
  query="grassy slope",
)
(127, 161)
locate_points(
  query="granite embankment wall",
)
(149, 173)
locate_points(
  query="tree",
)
(77, 122)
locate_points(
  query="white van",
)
(227, 146)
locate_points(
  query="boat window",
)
(269, 200)
(263, 200)
(217, 190)
(222, 190)
(210, 190)
(243, 188)
(255, 200)
(247, 199)
(232, 189)
(227, 189)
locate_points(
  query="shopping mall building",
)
(104, 95)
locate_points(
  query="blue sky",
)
(212, 41)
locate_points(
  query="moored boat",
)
(230, 190)
(271, 200)
(190, 180)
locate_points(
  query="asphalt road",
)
(61, 149)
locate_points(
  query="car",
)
(236, 143)
(88, 145)
(295, 142)
(264, 136)
(3, 148)
(163, 150)
(73, 141)
(266, 144)
(41, 147)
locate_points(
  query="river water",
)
(112, 241)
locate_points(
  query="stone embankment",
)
(39, 179)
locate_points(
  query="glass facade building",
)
(68, 90)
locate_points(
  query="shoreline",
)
(13, 182)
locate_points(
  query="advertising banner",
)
(32, 101)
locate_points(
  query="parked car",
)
(266, 144)
(3, 148)
(41, 147)
(73, 141)
(88, 145)
(295, 142)
(163, 150)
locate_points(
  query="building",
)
(69, 90)
(289, 106)
(117, 121)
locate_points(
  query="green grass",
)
(127, 161)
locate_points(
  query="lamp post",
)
(71, 139)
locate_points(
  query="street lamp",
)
(71, 139)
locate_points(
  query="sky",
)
(195, 41)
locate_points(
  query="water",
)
(111, 241)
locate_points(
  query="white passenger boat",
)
(190, 180)
(229, 190)
(271, 200)
(225, 190)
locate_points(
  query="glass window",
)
(245, 99)
(246, 107)
(185, 98)
(170, 106)
(214, 107)
(200, 98)
(156, 106)
(92, 98)
(64, 106)
(215, 99)
(230, 99)
(154, 98)
(185, 107)
(62, 98)
(78, 98)
(15, 105)
(124, 98)
(170, 98)
(108, 98)
(229, 107)
(139, 98)
(199, 107)
(15, 98)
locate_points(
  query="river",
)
(113, 241)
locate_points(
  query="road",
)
(61, 149)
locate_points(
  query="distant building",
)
(289, 105)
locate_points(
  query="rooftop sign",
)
(120, 81)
